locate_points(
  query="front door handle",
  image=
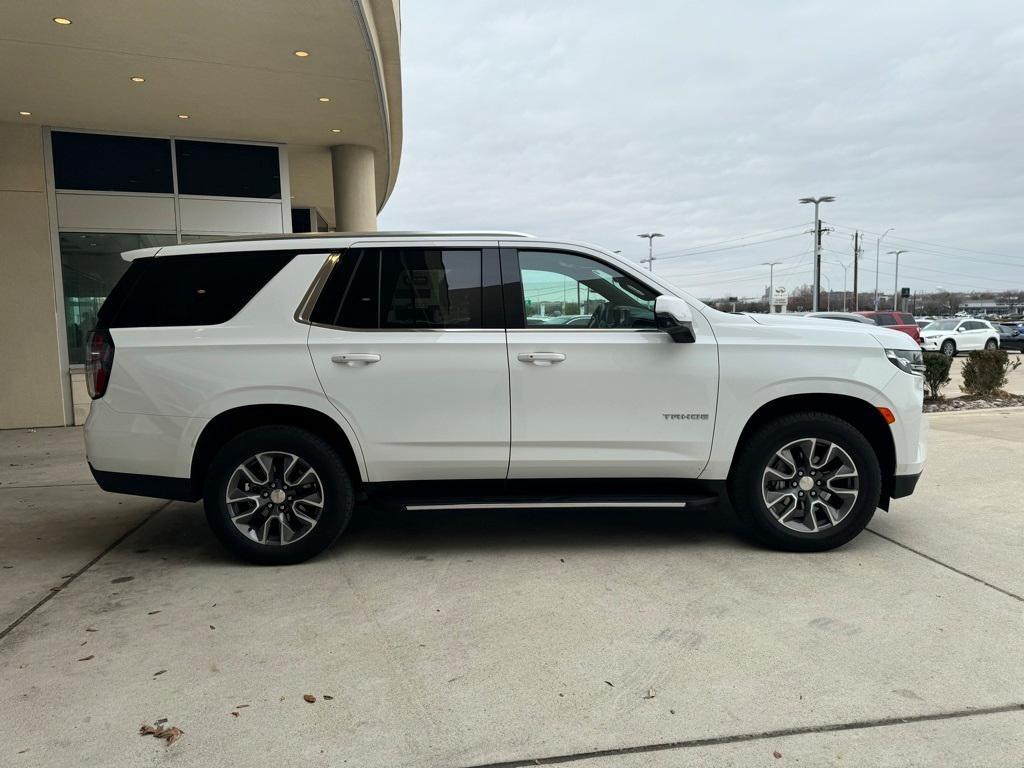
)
(355, 358)
(541, 358)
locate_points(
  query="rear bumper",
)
(904, 485)
(155, 486)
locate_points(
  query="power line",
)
(729, 247)
(681, 251)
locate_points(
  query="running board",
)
(565, 503)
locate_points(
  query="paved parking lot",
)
(502, 639)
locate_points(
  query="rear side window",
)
(884, 318)
(395, 288)
(906, 319)
(200, 289)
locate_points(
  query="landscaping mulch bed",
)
(973, 402)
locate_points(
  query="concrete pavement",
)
(597, 639)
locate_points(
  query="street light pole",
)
(896, 277)
(771, 281)
(650, 248)
(878, 245)
(817, 244)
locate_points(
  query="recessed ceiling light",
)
(23, 113)
(184, 117)
(61, 20)
(324, 99)
(138, 79)
(302, 54)
(335, 130)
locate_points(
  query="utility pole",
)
(878, 245)
(771, 281)
(856, 253)
(650, 248)
(817, 245)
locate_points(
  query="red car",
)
(898, 321)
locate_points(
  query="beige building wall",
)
(32, 386)
(309, 174)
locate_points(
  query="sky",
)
(596, 120)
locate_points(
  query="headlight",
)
(907, 360)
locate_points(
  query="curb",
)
(965, 411)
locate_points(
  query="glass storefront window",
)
(102, 162)
(91, 264)
(220, 169)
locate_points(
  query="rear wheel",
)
(991, 344)
(949, 347)
(806, 482)
(277, 495)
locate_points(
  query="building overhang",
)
(231, 67)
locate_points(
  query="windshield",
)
(942, 325)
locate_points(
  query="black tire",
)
(745, 481)
(991, 344)
(949, 348)
(337, 494)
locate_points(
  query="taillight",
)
(99, 359)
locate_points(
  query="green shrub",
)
(936, 372)
(985, 371)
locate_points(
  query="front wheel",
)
(949, 348)
(277, 495)
(806, 482)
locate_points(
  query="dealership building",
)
(126, 125)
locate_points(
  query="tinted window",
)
(567, 290)
(426, 288)
(906, 319)
(227, 170)
(203, 289)
(91, 265)
(97, 161)
(404, 288)
(884, 318)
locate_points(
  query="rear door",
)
(409, 345)
(976, 333)
(614, 398)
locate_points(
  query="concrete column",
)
(34, 388)
(355, 188)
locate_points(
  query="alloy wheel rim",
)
(810, 485)
(274, 498)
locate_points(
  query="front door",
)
(597, 390)
(409, 345)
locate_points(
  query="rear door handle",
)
(355, 358)
(541, 358)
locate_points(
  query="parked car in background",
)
(851, 317)
(1010, 336)
(959, 335)
(897, 321)
(924, 322)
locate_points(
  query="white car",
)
(281, 379)
(958, 335)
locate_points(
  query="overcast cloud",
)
(707, 121)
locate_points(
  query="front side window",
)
(396, 288)
(566, 290)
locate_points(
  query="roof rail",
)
(328, 235)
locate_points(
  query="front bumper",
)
(930, 345)
(903, 485)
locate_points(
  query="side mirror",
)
(675, 318)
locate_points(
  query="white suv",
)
(282, 379)
(956, 335)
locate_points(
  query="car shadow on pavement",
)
(179, 532)
(504, 529)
